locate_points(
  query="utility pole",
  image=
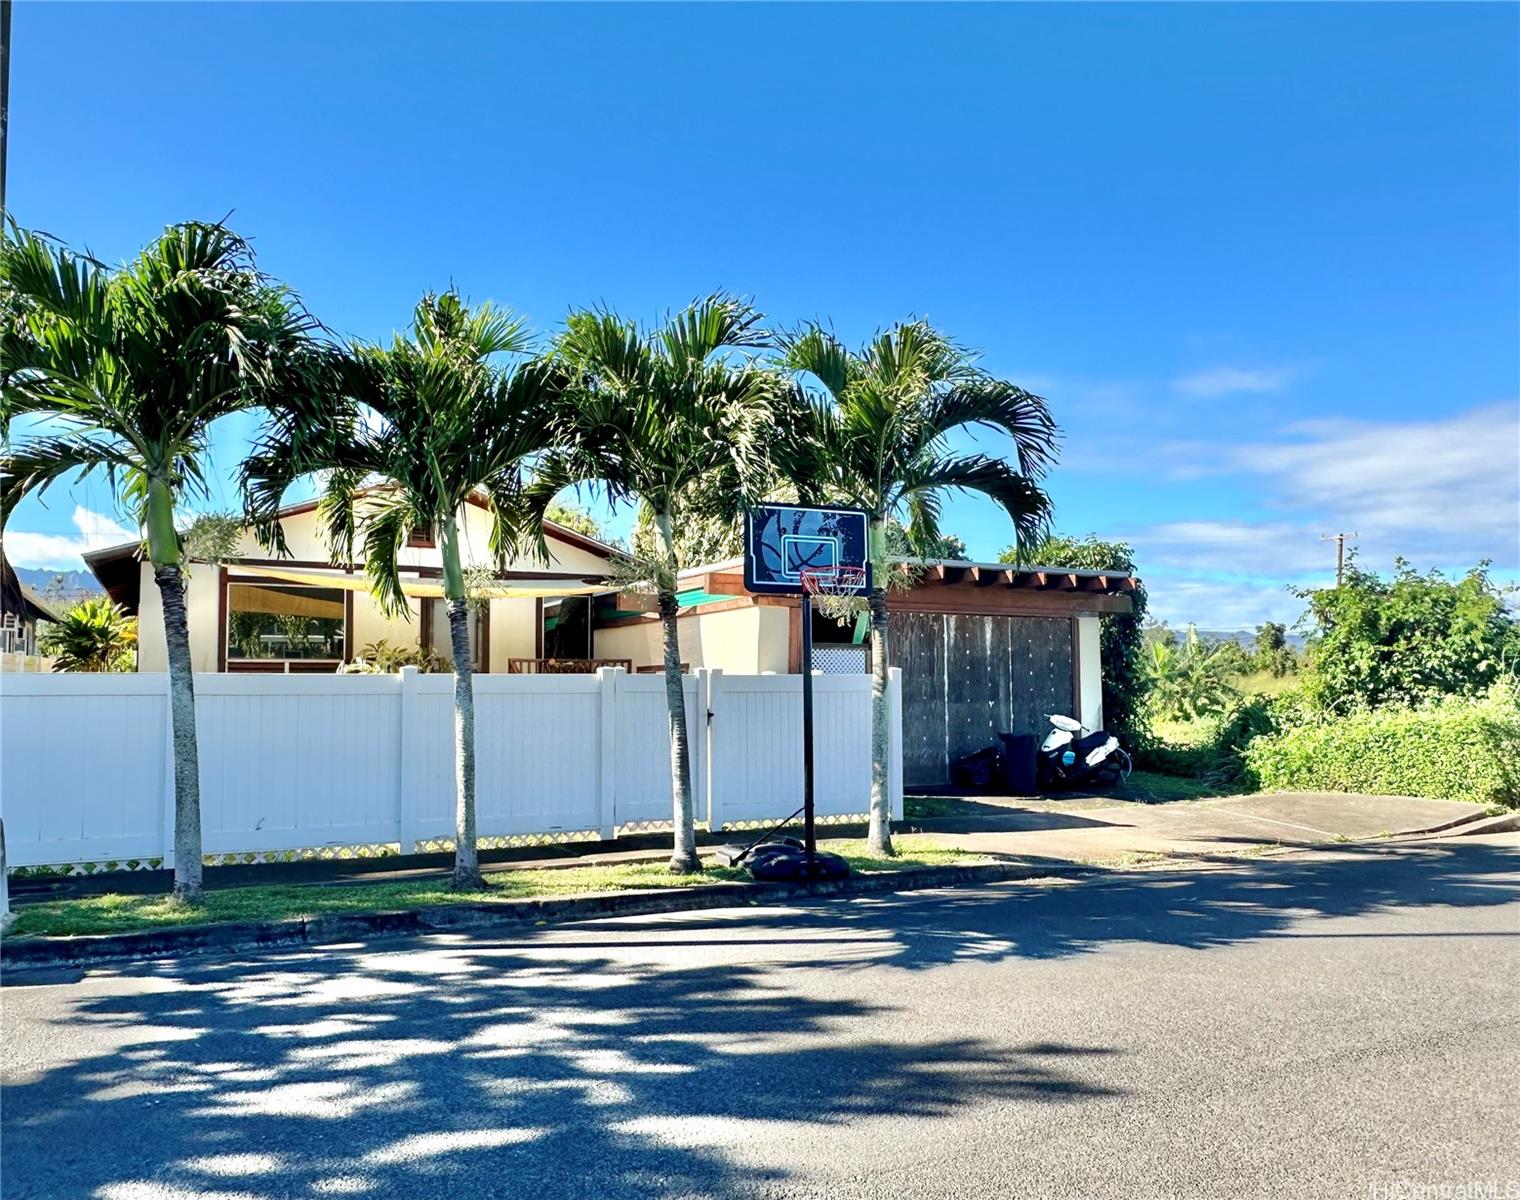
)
(5, 97)
(1340, 553)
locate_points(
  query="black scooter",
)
(1073, 757)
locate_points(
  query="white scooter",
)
(1071, 756)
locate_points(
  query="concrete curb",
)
(88, 950)
(1503, 823)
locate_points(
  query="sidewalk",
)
(1096, 830)
(1083, 830)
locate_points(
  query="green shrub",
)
(1213, 750)
(1453, 749)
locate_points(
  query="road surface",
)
(1332, 1024)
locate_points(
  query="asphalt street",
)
(1325, 1024)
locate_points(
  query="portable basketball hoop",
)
(823, 556)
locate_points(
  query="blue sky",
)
(1262, 260)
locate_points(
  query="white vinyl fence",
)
(290, 762)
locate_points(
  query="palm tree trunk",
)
(879, 839)
(683, 858)
(187, 779)
(466, 855)
(164, 554)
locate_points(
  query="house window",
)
(567, 627)
(421, 537)
(276, 622)
(436, 636)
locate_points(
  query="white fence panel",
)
(643, 781)
(537, 755)
(84, 770)
(291, 761)
(756, 746)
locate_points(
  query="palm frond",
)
(999, 405)
(41, 461)
(387, 519)
(716, 322)
(1026, 504)
(814, 350)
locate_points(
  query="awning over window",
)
(356, 581)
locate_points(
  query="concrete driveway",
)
(1092, 829)
(1332, 1023)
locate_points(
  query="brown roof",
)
(117, 567)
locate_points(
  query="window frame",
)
(275, 666)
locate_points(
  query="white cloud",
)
(1219, 604)
(1447, 489)
(1442, 493)
(1278, 549)
(1222, 381)
(61, 551)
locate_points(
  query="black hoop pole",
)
(808, 837)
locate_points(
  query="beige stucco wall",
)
(514, 632)
(773, 639)
(737, 640)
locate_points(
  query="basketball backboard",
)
(783, 542)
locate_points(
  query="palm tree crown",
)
(138, 362)
(406, 434)
(665, 418)
(872, 429)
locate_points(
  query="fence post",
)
(608, 696)
(167, 824)
(5, 886)
(405, 827)
(895, 741)
(712, 706)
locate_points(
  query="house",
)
(257, 611)
(21, 609)
(985, 648)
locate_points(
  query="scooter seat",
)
(1089, 742)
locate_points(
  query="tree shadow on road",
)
(1238, 902)
(455, 1067)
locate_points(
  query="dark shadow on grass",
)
(459, 1067)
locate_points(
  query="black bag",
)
(975, 771)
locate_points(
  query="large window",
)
(277, 622)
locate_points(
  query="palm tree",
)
(871, 429)
(668, 419)
(94, 635)
(127, 369)
(404, 437)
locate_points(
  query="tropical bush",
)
(94, 635)
(383, 658)
(1187, 678)
(1271, 652)
(1451, 749)
(1408, 639)
(1214, 748)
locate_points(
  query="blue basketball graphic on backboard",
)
(784, 542)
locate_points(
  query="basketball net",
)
(835, 591)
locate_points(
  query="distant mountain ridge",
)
(1246, 637)
(67, 586)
